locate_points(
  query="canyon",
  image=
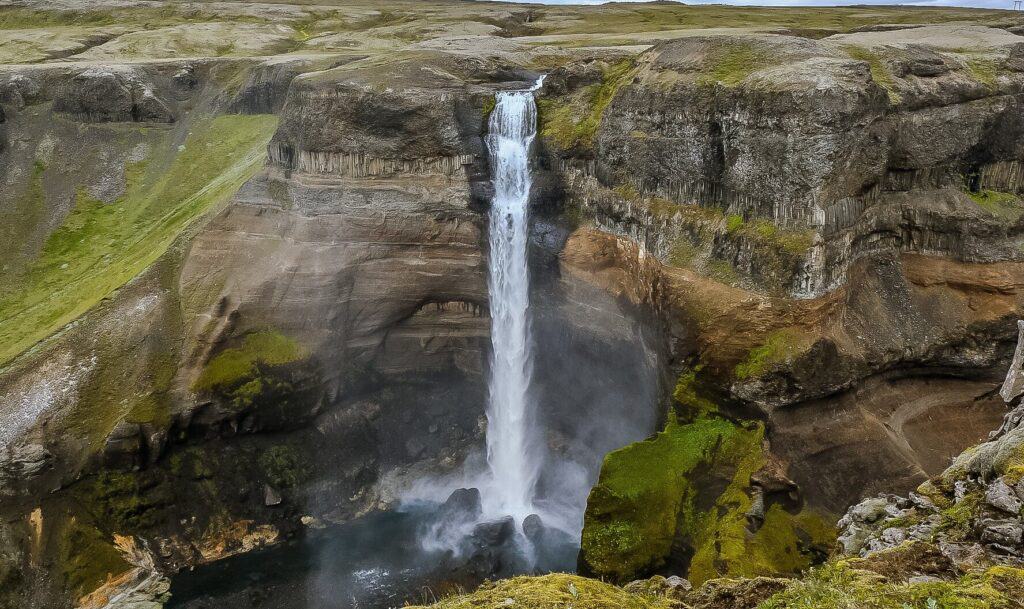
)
(772, 259)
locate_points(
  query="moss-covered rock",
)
(679, 501)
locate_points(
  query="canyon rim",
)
(467, 304)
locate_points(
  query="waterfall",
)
(512, 456)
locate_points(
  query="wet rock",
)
(462, 505)
(495, 533)
(1000, 496)
(270, 496)
(533, 527)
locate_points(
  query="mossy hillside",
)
(100, 246)
(838, 585)
(241, 375)
(21, 18)
(835, 585)
(646, 17)
(653, 496)
(572, 122)
(553, 591)
(133, 370)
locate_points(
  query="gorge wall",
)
(798, 259)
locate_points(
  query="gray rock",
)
(869, 510)
(674, 582)
(533, 527)
(964, 555)
(495, 532)
(921, 502)
(270, 496)
(923, 579)
(1013, 385)
(1004, 532)
(1000, 496)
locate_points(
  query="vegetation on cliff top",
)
(732, 61)
(1006, 205)
(100, 246)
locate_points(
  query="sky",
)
(1004, 4)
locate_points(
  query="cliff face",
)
(840, 192)
(260, 283)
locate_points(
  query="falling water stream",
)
(511, 455)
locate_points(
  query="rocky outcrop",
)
(835, 136)
(101, 95)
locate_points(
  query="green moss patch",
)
(1005, 205)
(729, 63)
(573, 122)
(838, 586)
(554, 591)
(880, 72)
(241, 375)
(780, 346)
(87, 557)
(100, 246)
(690, 402)
(284, 466)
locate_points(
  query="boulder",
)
(1005, 532)
(1000, 496)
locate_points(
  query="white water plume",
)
(512, 457)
